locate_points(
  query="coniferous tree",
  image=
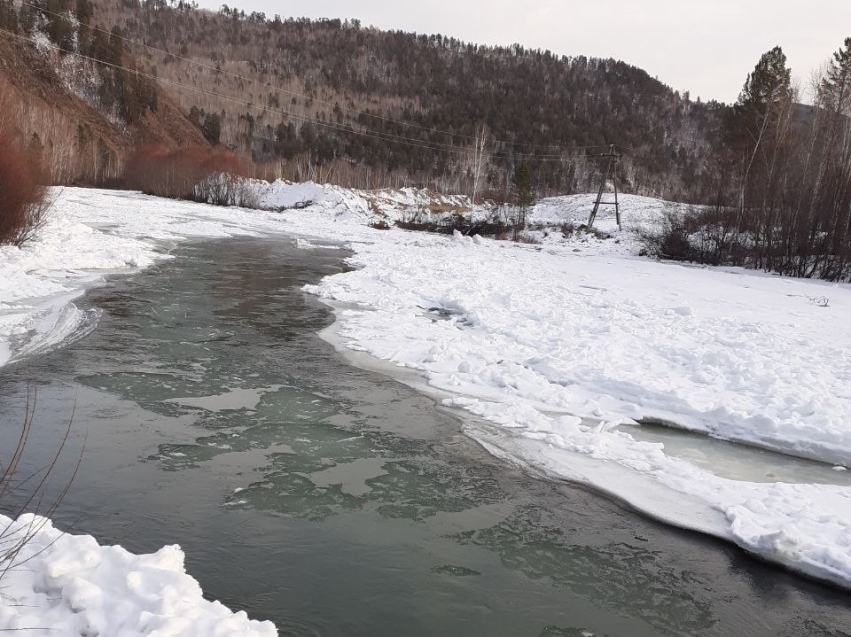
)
(835, 88)
(758, 128)
(8, 16)
(212, 128)
(766, 87)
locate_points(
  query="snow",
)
(70, 585)
(355, 204)
(724, 353)
(561, 345)
(554, 350)
(281, 195)
(576, 209)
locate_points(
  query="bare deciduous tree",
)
(479, 158)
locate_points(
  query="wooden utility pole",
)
(611, 171)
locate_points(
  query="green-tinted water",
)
(337, 502)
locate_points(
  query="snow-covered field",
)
(555, 348)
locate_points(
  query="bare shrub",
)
(424, 221)
(23, 200)
(32, 492)
(226, 189)
(674, 240)
(568, 229)
(707, 235)
(162, 172)
(669, 239)
(597, 233)
(448, 223)
(439, 208)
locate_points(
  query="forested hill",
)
(337, 101)
(339, 73)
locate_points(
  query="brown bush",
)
(175, 173)
(23, 200)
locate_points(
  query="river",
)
(335, 501)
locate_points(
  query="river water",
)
(337, 502)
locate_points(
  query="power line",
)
(266, 85)
(247, 103)
(343, 128)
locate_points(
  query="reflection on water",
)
(337, 502)
(626, 575)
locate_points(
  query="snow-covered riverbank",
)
(555, 347)
(69, 585)
(560, 346)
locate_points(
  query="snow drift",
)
(62, 584)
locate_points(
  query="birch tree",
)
(479, 158)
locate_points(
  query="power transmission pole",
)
(611, 171)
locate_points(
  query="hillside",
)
(331, 100)
(82, 117)
(331, 96)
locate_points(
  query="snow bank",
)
(282, 195)
(62, 584)
(361, 205)
(738, 356)
(560, 344)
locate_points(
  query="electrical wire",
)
(386, 137)
(269, 86)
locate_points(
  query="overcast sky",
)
(706, 46)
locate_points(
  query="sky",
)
(706, 47)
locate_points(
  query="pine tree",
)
(835, 89)
(212, 128)
(768, 84)
(765, 88)
(758, 124)
(8, 16)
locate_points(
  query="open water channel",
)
(338, 502)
